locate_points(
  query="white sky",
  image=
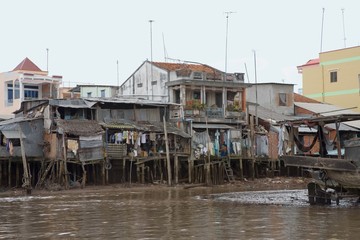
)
(85, 38)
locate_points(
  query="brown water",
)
(174, 213)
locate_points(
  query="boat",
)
(334, 177)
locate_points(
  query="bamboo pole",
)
(176, 163)
(1, 173)
(9, 173)
(65, 162)
(167, 153)
(26, 184)
(252, 152)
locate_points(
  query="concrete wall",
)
(346, 91)
(141, 84)
(96, 91)
(268, 97)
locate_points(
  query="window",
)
(17, 89)
(162, 77)
(197, 95)
(333, 76)
(102, 93)
(282, 99)
(10, 93)
(89, 94)
(198, 75)
(177, 96)
(31, 92)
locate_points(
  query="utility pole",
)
(226, 39)
(151, 58)
(343, 18)
(256, 92)
(322, 29)
(47, 60)
(117, 77)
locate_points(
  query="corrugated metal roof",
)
(197, 67)
(212, 126)
(129, 101)
(72, 103)
(268, 115)
(324, 109)
(79, 127)
(146, 126)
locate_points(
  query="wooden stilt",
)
(138, 177)
(93, 174)
(253, 145)
(84, 176)
(65, 163)
(33, 169)
(103, 177)
(27, 180)
(1, 174)
(17, 175)
(143, 173)
(9, 173)
(123, 179)
(241, 156)
(107, 174)
(176, 161)
(167, 153)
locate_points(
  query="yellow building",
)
(334, 77)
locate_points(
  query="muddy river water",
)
(175, 213)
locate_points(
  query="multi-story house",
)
(277, 97)
(206, 102)
(95, 91)
(334, 77)
(26, 82)
(202, 92)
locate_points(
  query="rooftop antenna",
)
(247, 75)
(226, 39)
(256, 92)
(47, 60)
(343, 18)
(117, 72)
(165, 52)
(322, 28)
(151, 59)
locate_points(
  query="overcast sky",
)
(86, 38)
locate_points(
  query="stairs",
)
(228, 170)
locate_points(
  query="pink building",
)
(25, 82)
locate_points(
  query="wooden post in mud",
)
(17, 173)
(65, 162)
(167, 153)
(252, 151)
(241, 156)
(27, 182)
(1, 175)
(176, 162)
(338, 146)
(103, 172)
(84, 176)
(9, 173)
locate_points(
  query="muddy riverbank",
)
(277, 183)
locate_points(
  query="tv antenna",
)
(343, 18)
(226, 39)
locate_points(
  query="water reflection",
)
(175, 213)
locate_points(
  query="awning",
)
(212, 126)
(12, 134)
